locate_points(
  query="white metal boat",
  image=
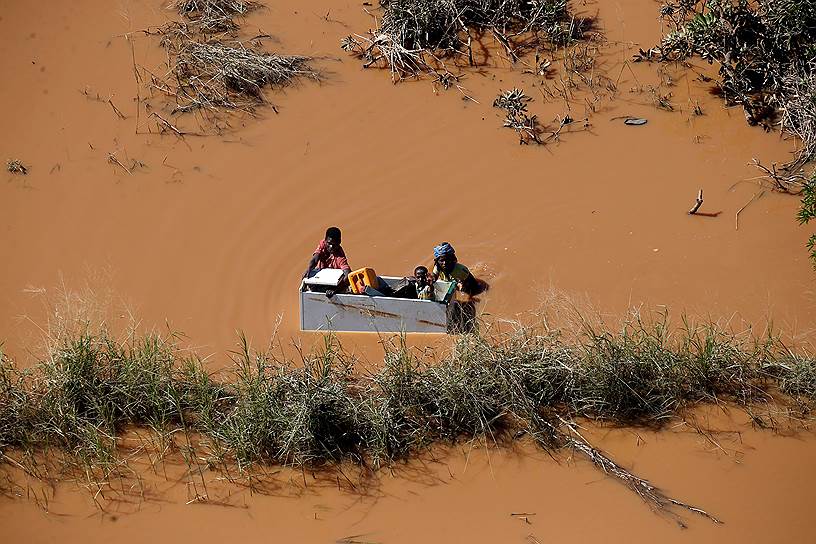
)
(372, 312)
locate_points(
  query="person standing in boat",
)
(448, 268)
(329, 254)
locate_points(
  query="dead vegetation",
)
(211, 68)
(514, 103)
(216, 75)
(442, 40)
(413, 37)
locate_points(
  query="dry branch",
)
(785, 181)
(697, 203)
(736, 215)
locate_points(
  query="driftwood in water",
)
(699, 202)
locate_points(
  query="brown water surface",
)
(759, 484)
(212, 233)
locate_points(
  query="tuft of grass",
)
(15, 403)
(306, 415)
(218, 75)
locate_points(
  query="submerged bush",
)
(413, 36)
(766, 52)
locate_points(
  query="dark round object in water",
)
(635, 121)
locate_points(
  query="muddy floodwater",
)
(209, 235)
(759, 484)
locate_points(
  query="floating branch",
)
(114, 160)
(756, 196)
(785, 181)
(697, 203)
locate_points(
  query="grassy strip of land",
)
(317, 412)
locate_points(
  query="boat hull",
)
(362, 313)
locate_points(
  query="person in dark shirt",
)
(423, 283)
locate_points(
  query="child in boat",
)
(423, 283)
(448, 268)
(419, 286)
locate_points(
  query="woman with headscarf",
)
(448, 268)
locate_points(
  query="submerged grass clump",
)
(212, 68)
(293, 415)
(532, 381)
(217, 75)
(415, 36)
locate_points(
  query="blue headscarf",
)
(443, 249)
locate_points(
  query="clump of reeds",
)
(529, 380)
(16, 167)
(205, 19)
(414, 36)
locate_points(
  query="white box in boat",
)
(347, 312)
(327, 277)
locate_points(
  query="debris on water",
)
(16, 167)
(636, 121)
